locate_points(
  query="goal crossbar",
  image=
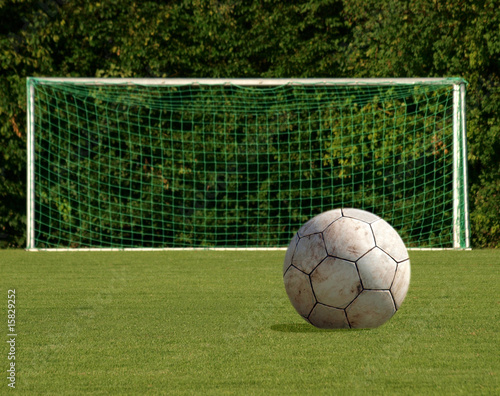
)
(262, 82)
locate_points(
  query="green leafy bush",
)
(326, 38)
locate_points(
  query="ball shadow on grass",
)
(306, 328)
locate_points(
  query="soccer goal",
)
(241, 163)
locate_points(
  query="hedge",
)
(355, 38)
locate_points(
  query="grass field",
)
(211, 323)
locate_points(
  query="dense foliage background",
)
(248, 38)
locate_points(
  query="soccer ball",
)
(346, 268)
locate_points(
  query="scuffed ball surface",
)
(346, 268)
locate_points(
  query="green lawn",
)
(210, 322)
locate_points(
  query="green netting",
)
(133, 166)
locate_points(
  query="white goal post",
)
(186, 163)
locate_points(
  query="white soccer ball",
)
(346, 268)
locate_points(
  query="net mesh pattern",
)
(126, 165)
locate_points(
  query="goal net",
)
(241, 163)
